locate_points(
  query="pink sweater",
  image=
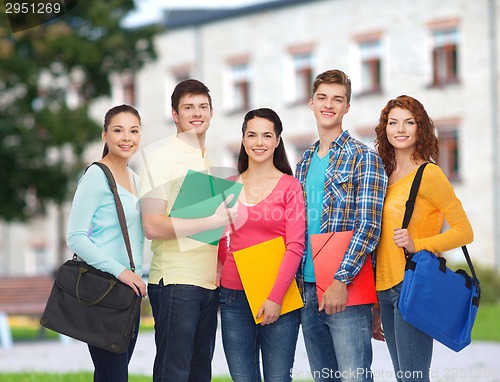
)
(281, 213)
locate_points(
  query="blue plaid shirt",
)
(354, 191)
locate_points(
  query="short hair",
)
(333, 76)
(190, 86)
(427, 147)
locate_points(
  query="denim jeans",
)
(112, 367)
(410, 349)
(185, 325)
(243, 340)
(339, 345)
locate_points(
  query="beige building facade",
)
(440, 52)
(444, 53)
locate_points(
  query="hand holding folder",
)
(258, 267)
(199, 197)
(328, 252)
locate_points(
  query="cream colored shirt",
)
(436, 201)
(181, 260)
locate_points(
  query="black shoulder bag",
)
(94, 306)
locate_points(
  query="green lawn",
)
(78, 377)
(72, 377)
(28, 329)
(486, 328)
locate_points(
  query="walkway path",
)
(480, 362)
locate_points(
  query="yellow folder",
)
(258, 267)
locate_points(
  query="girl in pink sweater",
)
(270, 205)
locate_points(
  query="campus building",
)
(444, 53)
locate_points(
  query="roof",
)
(182, 18)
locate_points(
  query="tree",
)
(49, 75)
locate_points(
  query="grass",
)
(77, 377)
(28, 329)
(72, 377)
(486, 328)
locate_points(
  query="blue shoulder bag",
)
(434, 299)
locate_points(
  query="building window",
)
(365, 134)
(371, 66)
(303, 77)
(449, 152)
(40, 252)
(297, 145)
(181, 75)
(445, 56)
(129, 95)
(240, 85)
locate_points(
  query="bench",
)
(22, 295)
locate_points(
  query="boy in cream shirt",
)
(182, 283)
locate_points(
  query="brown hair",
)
(427, 147)
(334, 76)
(189, 87)
(109, 116)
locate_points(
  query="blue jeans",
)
(185, 325)
(113, 367)
(410, 349)
(339, 345)
(243, 340)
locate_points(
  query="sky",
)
(149, 11)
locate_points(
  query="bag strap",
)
(119, 210)
(410, 203)
(410, 206)
(472, 270)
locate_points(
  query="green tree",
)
(49, 75)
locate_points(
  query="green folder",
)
(199, 197)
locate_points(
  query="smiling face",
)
(329, 104)
(260, 140)
(123, 135)
(194, 114)
(402, 129)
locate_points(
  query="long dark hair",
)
(427, 147)
(280, 159)
(109, 116)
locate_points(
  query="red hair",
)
(427, 147)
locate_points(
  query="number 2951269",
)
(34, 8)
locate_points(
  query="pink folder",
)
(328, 252)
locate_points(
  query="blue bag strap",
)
(410, 206)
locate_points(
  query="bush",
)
(490, 282)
